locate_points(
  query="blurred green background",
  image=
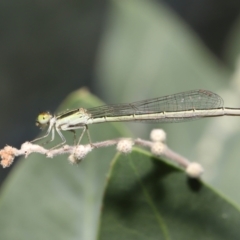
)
(125, 51)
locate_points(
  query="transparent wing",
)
(191, 100)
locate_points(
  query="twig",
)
(123, 145)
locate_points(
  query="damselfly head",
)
(43, 119)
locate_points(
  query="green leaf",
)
(147, 51)
(149, 199)
(143, 197)
(51, 199)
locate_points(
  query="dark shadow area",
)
(211, 20)
(194, 184)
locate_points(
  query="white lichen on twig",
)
(123, 145)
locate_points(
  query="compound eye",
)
(43, 119)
